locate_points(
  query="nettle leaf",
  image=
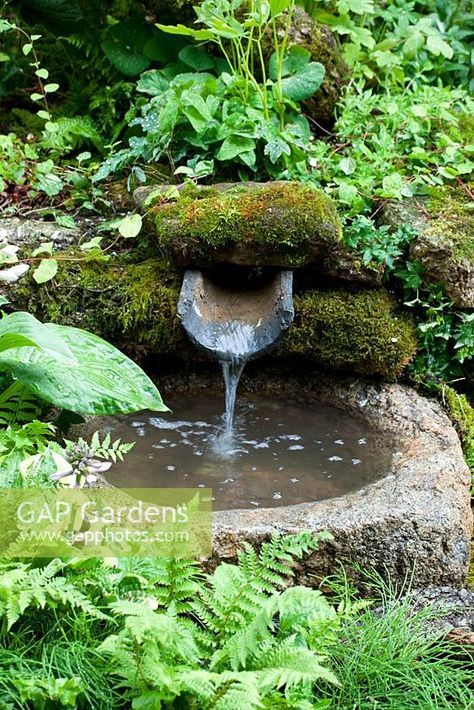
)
(304, 83)
(46, 271)
(92, 377)
(234, 146)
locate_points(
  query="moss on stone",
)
(360, 332)
(132, 305)
(283, 224)
(462, 413)
(452, 218)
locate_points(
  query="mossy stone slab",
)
(283, 224)
(445, 244)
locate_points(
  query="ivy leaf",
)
(130, 226)
(46, 271)
(304, 83)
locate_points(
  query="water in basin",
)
(282, 451)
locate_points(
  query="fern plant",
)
(233, 641)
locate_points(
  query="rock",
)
(134, 305)
(445, 245)
(321, 44)
(361, 332)
(284, 224)
(32, 232)
(14, 273)
(342, 263)
(413, 524)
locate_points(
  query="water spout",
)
(235, 325)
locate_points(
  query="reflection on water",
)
(281, 451)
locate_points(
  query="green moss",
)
(132, 305)
(273, 223)
(462, 413)
(358, 332)
(452, 218)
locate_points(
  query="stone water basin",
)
(397, 502)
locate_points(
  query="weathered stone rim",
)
(415, 521)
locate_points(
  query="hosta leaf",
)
(98, 379)
(28, 326)
(304, 83)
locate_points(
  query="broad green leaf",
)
(436, 45)
(51, 88)
(130, 226)
(348, 165)
(5, 26)
(413, 44)
(305, 83)
(4, 57)
(26, 49)
(46, 271)
(65, 220)
(196, 110)
(42, 73)
(187, 32)
(392, 185)
(278, 6)
(296, 58)
(15, 340)
(152, 82)
(46, 248)
(99, 380)
(36, 97)
(28, 326)
(358, 7)
(233, 146)
(196, 57)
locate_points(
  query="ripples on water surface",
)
(283, 451)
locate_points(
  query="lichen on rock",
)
(285, 224)
(360, 332)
